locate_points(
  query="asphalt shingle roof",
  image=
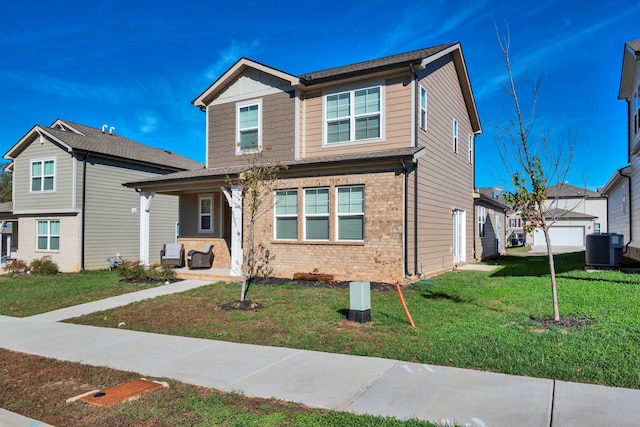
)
(570, 191)
(114, 145)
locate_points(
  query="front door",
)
(459, 236)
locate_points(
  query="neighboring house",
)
(623, 188)
(491, 211)
(380, 158)
(69, 202)
(572, 213)
(516, 235)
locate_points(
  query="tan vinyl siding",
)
(113, 215)
(445, 178)
(278, 130)
(618, 209)
(59, 200)
(396, 127)
(487, 246)
(190, 211)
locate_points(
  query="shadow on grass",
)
(538, 266)
(429, 294)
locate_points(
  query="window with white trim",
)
(42, 175)
(351, 213)
(316, 213)
(48, 235)
(455, 136)
(596, 228)
(354, 115)
(249, 133)
(205, 214)
(423, 108)
(471, 140)
(482, 218)
(286, 212)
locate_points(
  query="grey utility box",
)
(359, 302)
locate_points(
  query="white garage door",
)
(561, 236)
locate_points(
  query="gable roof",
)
(76, 137)
(566, 191)
(417, 59)
(629, 57)
(558, 213)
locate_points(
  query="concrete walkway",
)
(347, 383)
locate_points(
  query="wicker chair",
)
(172, 254)
(200, 259)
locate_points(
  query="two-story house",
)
(68, 200)
(573, 213)
(380, 156)
(623, 188)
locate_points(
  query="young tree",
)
(257, 182)
(5, 184)
(532, 159)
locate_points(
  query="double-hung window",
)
(205, 214)
(354, 115)
(248, 127)
(286, 214)
(423, 108)
(470, 149)
(42, 175)
(455, 136)
(48, 238)
(481, 220)
(351, 213)
(316, 213)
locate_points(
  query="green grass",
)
(468, 319)
(26, 295)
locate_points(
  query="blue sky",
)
(137, 65)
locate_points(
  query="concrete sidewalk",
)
(348, 383)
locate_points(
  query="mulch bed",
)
(567, 322)
(276, 281)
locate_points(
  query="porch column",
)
(145, 206)
(234, 199)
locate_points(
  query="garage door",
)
(561, 236)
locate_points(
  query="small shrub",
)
(44, 265)
(134, 271)
(16, 266)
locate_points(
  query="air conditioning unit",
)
(604, 250)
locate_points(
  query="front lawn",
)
(25, 295)
(467, 319)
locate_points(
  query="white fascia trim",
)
(25, 140)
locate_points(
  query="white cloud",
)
(148, 122)
(230, 55)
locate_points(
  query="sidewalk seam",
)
(553, 402)
(368, 387)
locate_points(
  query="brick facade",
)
(68, 255)
(377, 258)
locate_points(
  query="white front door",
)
(459, 236)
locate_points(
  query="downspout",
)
(405, 172)
(626, 247)
(416, 100)
(84, 205)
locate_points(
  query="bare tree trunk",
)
(247, 254)
(552, 268)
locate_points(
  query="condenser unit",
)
(604, 250)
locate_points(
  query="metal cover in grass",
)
(121, 393)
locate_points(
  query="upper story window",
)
(455, 136)
(351, 213)
(471, 148)
(205, 215)
(354, 115)
(482, 219)
(249, 129)
(515, 222)
(42, 175)
(316, 213)
(286, 214)
(423, 108)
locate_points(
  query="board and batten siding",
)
(277, 127)
(445, 178)
(61, 199)
(112, 215)
(397, 124)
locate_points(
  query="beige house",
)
(380, 158)
(623, 188)
(490, 231)
(68, 201)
